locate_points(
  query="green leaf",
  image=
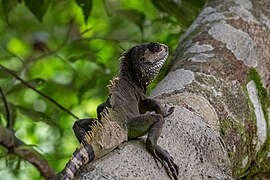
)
(134, 16)
(4, 74)
(184, 12)
(36, 116)
(8, 5)
(86, 6)
(33, 82)
(37, 7)
(75, 49)
(7, 83)
(12, 113)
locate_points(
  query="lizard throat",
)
(148, 72)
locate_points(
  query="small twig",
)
(17, 147)
(9, 125)
(39, 92)
(86, 31)
(52, 52)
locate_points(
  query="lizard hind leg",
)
(158, 152)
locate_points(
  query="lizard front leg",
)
(153, 105)
(152, 124)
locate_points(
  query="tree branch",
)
(9, 125)
(17, 147)
(39, 92)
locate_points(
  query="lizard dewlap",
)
(123, 116)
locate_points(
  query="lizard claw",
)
(173, 168)
(170, 111)
(164, 157)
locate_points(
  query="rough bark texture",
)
(219, 82)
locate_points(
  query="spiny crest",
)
(112, 83)
(124, 60)
(97, 126)
(123, 56)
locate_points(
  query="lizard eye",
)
(154, 47)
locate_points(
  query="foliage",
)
(57, 53)
(265, 103)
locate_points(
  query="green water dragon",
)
(124, 115)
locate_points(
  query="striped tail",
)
(80, 157)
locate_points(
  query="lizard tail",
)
(80, 157)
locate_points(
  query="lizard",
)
(123, 116)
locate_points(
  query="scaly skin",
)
(122, 116)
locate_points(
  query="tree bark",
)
(219, 82)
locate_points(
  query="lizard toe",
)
(164, 157)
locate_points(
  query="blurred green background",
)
(69, 50)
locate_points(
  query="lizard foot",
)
(164, 157)
(169, 111)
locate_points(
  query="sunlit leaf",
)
(33, 82)
(86, 6)
(37, 7)
(18, 46)
(36, 116)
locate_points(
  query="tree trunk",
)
(219, 81)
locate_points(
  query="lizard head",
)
(147, 60)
